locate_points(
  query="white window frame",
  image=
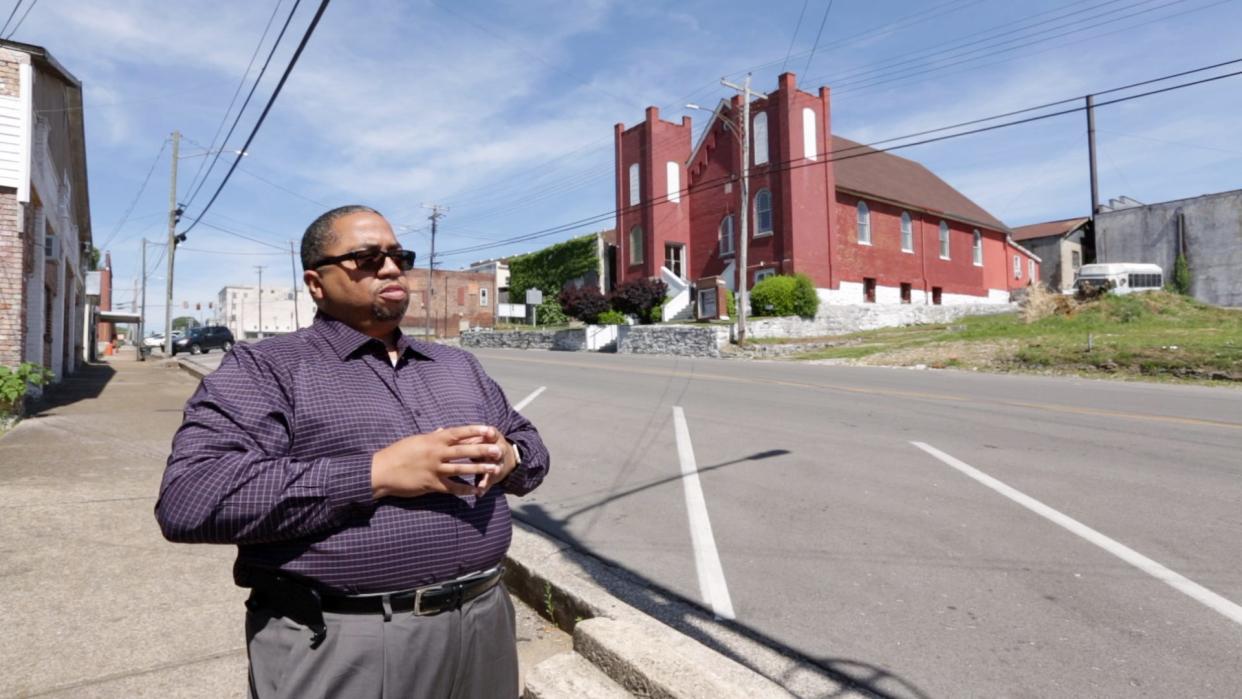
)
(907, 232)
(946, 251)
(483, 300)
(635, 185)
(976, 249)
(636, 244)
(759, 231)
(863, 235)
(726, 236)
(759, 134)
(761, 274)
(1017, 266)
(810, 146)
(674, 181)
(1030, 268)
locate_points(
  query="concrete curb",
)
(635, 650)
(188, 366)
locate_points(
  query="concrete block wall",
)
(840, 320)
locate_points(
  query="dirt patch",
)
(994, 355)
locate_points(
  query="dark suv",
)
(204, 339)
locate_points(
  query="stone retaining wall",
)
(683, 340)
(517, 339)
(840, 320)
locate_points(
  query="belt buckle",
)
(418, 599)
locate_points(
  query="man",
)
(361, 475)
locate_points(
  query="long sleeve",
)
(230, 477)
(535, 460)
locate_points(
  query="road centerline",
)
(527, 400)
(712, 586)
(1177, 581)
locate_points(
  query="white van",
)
(1121, 277)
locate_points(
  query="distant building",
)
(283, 310)
(865, 226)
(499, 269)
(458, 301)
(1207, 228)
(45, 223)
(1060, 247)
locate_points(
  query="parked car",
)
(204, 339)
(157, 340)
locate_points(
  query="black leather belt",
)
(423, 601)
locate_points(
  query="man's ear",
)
(313, 284)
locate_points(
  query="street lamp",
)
(743, 137)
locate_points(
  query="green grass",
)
(1152, 335)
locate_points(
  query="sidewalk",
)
(96, 603)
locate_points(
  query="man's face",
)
(370, 300)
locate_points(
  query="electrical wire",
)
(243, 236)
(242, 83)
(323, 5)
(794, 37)
(132, 204)
(237, 119)
(818, 34)
(23, 19)
(16, 6)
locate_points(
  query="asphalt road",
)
(841, 538)
(927, 533)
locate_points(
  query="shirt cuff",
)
(349, 482)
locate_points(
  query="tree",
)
(639, 297)
(184, 323)
(1181, 275)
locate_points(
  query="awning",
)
(118, 317)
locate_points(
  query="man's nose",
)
(390, 268)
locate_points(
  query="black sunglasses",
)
(371, 260)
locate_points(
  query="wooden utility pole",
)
(260, 269)
(437, 212)
(743, 276)
(1095, 185)
(174, 215)
(293, 267)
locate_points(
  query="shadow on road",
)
(690, 619)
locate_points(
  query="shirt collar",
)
(345, 341)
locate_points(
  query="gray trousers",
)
(469, 653)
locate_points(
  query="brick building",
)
(45, 228)
(459, 301)
(865, 226)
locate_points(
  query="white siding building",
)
(283, 310)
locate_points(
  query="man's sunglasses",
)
(371, 260)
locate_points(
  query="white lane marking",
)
(526, 401)
(712, 584)
(1175, 580)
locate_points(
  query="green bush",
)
(549, 313)
(611, 317)
(784, 295)
(548, 269)
(14, 382)
(1181, 275)
(730, 304)
(642, 298)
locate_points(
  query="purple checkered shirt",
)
(274, 455)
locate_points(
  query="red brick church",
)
(876, 228)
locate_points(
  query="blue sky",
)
(503, 111)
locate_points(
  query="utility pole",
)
(742, 271)
(1095, 185)
(142, 314)
(293, 267)
(174, 215)
(437, 212)
(260, 269)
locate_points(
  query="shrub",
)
(1181, 275)
(730, 303)
(784, 295)
(584, 303)
(611, 317)
(549, 313)
(638, 297)
(13, 384)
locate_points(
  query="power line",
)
(794, 37)
(866, 150)
(323, 5)
(243, 236)
(236, 92)
(23, 19)
(16, 6)
(818, 34)
(141, 189)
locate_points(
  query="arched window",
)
(674, 182)
(635, 195)
(944, 240)
(726, 235)
(976, 250)
(864, 223)
(763, 213)
(636, 245)
(907, 232)
(809, 146)
(760, 138)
